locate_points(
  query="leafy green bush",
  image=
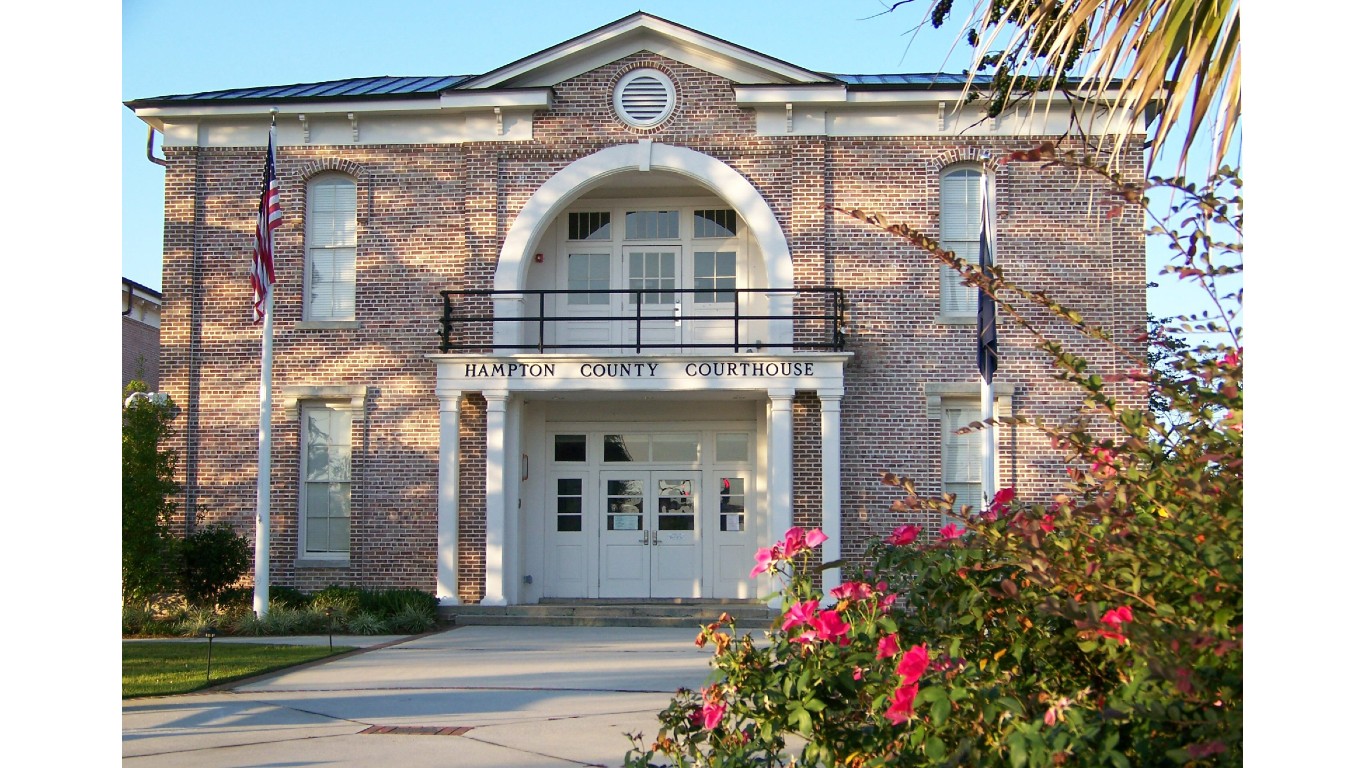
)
(1100, 627)
(412, 618)
(288, 597)
(390, 602)
(366, 623)
(149, 549)
(194, 621)
(214, 558)
(342, 600)
(137, 619)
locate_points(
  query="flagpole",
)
(987, 351)
(261, 596)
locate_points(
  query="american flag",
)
(267, 221)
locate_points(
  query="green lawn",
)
(159, 669)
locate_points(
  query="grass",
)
(161, 669)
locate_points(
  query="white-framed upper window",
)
(960, 231)
(325, 479)
(644, 98)
(330, 281)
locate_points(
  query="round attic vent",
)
(644, 98)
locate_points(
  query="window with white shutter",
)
(960, 230)
(330, 279)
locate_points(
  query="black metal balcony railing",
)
(467, 319)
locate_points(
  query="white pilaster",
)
(830, 485)
(512, 494)
(779, 466)
(495, 520)
(448, 500)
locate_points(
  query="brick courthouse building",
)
(587, 326)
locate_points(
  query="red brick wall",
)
(433, 217)
(141, 353)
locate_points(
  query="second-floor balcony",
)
(639, 321)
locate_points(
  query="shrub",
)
(1102, 626)
(288, 597)
(149, 549)
(390, 602)
(194, 621)
(137, 619)
(342, 600)
(412, 618)
(366, 623)
(283, 621)
(214, 558)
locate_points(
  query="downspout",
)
(151, 133)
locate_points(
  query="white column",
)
(512, 494)
(448, 501)
(495, 518)
(779, 466)
(830, 484)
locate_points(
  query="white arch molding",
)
(514, 260)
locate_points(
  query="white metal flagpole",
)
(263, 280)
(261, 597)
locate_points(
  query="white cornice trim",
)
(536, 98)
(780, 94)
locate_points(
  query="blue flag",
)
(988, 356)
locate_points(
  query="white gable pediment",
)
(643, 32)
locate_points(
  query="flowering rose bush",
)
(1101, 626)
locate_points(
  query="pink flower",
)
(886, 602)
(858, 673)
(853, 590)
(999, 504)
(793, 542)
(904, 535)
(888, 647)
(764, 558)
(713, 707)
(829, 626)
(799, 614)
(1117, 616)
(913, 663)
(951, 531)
(903, 703)
(1046, 525)
(1104, 457)
(815, 537)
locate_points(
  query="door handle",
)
(655, 535)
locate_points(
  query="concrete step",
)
(615, 613)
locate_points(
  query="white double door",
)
(651, 534)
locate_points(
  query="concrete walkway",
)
(472, 696)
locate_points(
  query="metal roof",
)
(922, 80)
(398, 87)
(350, 88)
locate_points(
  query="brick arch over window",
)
(355, 170)
(982, 156)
